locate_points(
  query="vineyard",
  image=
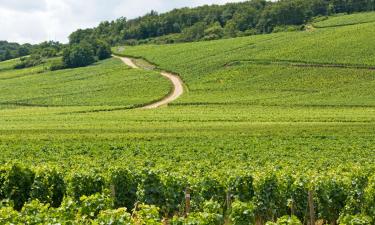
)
(275, 129)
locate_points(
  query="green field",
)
(298, 104)
(106, 84)
(344, 20)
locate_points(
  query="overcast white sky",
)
(34, 21)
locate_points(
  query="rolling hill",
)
(293, 110)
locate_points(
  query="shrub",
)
(35, 212)
(91, 205)
(78, 55)
(355, 220)
(2, 181)
(84, 184)
(146, 215)
(57, 65)
(207, 189)
(17, 185)
(125, 188)
(48, 187)
(286, 220)
(174, 193)
(31, 61)
(103, 50)
(241, 187)
(114, 217)
(331, 195)
(151, 189)
(9, 216)
(242, 213)
(268, 199)
(370, 197)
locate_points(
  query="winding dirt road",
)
(178, 88)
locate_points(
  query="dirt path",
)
(178, 88)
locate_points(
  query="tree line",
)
(218, 21)
(207, 22)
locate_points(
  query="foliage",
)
(286, 220)
(78, 55)
(125, 187)
(102, 50)
(146, 215)
(48, 187)
(217, 21)
(17, 185)
(332, 195)
(84, 184)
(151, 189)
(241, 188)
(242, 213)
(91, 206)
(114, 217)
(31, 61)
(10, 50)
(355, 220)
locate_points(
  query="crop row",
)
(270, 196)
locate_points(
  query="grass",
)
(108, 83)
(345, 20)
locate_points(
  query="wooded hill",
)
(218, 21)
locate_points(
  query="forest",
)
(219, 21)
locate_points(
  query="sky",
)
(35, 21)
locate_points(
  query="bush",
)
(241, 188)
(103, 50)
(90, 206)
(242, 213)
(2, 181)
(84, 184)
(125, 188)
(286, 220)
(151, 189)
(78, 55)
(57, 65)
(114, 217)
(268, 199)
(207, 189)
(17, 185)
(287, 28)
(31, 61)
(146, 215)
(355, 220)
(331, 195)
(48, 187)
(174, 193)
(370, 197)
(9, 216)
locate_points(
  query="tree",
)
(7, 55)
(78, 55)
(215, 31)
(103, 50)
(195, 32)
(22, 51)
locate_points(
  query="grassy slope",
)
(246, 116)
(343, 20)
(202, 66)
(107, 83)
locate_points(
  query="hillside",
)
(269, 120)
(298, 68)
